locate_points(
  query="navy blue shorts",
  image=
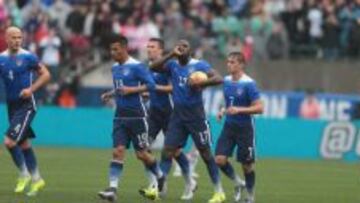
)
(179, 130)
(20, 115)
(158, 121)
(132, 130)
(242, 137)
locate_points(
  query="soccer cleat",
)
(238, 190)
(189, 190)
(108, 194)
(21, 184)
(35, 187)
(150, 193)
(250, 198)
(218, 197)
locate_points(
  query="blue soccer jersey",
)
(132, 73)
(160, 99)
(240, 93)
(17, 72)
(188, 103)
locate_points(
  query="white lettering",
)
(274, 106)
(343, 111)
(327, 110)
(358, 145)
(338, 138)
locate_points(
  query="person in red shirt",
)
(310, 107)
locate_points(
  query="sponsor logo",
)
(338, 139)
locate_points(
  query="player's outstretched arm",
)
(126, 90)
(44, 77)
(164, 88)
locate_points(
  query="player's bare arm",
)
(158, 65)
(107, 95)
(44, 77)
(126, 90)
(257, 107)
(164, 88)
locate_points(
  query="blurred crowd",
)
(70, 36)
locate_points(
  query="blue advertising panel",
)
(291, 138)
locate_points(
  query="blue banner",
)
(277, 104)
(287, 104)
(275, 138)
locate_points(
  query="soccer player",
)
(242, 100)
(188, 116)
(17, 66)
(130, 79)
(161, 108)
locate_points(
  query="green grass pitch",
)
(76, 175)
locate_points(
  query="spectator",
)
(66, 99)
(15, 13)
(50, 49)
(277, 46)
(260, 29)
(310, 107)
(76, 18)
(331, 38)
(355, 31)
(315, 17)
(343, 14)
(58, 13)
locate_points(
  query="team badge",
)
(191, 69)
(18, 62)
(239, 91)
(126, 72)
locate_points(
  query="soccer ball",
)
(198, 77)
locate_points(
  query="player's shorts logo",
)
(338, 138)
(17, 128)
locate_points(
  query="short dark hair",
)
(159, 41)
(122, 40)
(239, 55)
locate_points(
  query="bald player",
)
(17, 67)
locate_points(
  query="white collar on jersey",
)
(243, 78)
(191, 61)
(130, 60)
(20, 51)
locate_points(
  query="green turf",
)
(75, 176)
